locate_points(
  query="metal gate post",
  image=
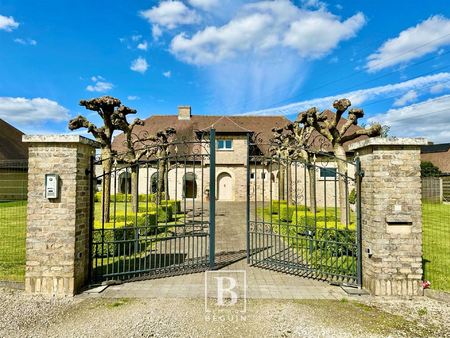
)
(248, 198)
(212, 198)
(359, 175)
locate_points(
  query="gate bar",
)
(212, 198)
(248, 198)
(359, 176)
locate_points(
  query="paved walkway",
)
(230, 237)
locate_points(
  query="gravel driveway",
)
(25, 316)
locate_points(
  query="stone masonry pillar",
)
(391, 215)
(57, 242)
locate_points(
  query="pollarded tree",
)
(111, 111)
(329, 126)
(132, 155)
(156, 146)
(292, 141)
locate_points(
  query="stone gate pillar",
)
(57, 240)
(391, 215)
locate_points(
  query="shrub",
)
(286, 212)
(142, 219)
(117, 240)
(164, 212)
(176, 206)
(352, 197)
(276, 206)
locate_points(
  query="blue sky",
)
(227, 57)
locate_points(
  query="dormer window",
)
(225, 144)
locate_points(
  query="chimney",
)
(184, 112)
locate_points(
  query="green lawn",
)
(12, 240)
(436, 245)
(436, 241)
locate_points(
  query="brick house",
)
(439, 155)
(231, 156)
(13, 163)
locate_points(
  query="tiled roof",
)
(260, 125)
(435, 148)
(186, 129)
(11, 145)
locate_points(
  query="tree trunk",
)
(161, 177)
(312, 187)
(282, 182)
(339, 152)
(106, 198)
(134, 188)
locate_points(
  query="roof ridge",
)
(228, 118)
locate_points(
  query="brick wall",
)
(391, 216)
(57, 229)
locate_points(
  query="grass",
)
(436, 240)
(12, 240)
(436, 245)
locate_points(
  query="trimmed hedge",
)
(276, 206)
(143, 219)
(116, 241)
(164, 213)
(286, 212)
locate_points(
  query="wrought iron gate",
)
(297, 221)
(160, 220)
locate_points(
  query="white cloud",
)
(25, 42)
(136, 37)
(142, 45)
(263, 26)
(171, 14)
(318, 33)
(22, 110)
(408, 97)
(156, 32)
(100, 85)
(426, 37)
(361, 96)
(133, 97)
(167, 74)
(428, 119)
(439, 88)
(205, 5)
(7, 23)
(139, 65)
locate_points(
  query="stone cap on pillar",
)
(389, 142)
(60, 138)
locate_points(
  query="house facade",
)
(188, 178)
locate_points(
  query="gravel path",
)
(25, 316)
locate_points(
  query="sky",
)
(227, 57)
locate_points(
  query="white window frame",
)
(224, 143)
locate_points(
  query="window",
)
(327, 172)
(263, 176)
(252, 176)
(225, 144)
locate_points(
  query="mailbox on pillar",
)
(51, 186)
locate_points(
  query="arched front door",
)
(225, 187)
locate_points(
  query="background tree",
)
(293, 141)
(111, 110)
(155, 146)
(428, 169)
(338, 134)
(133, 155)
